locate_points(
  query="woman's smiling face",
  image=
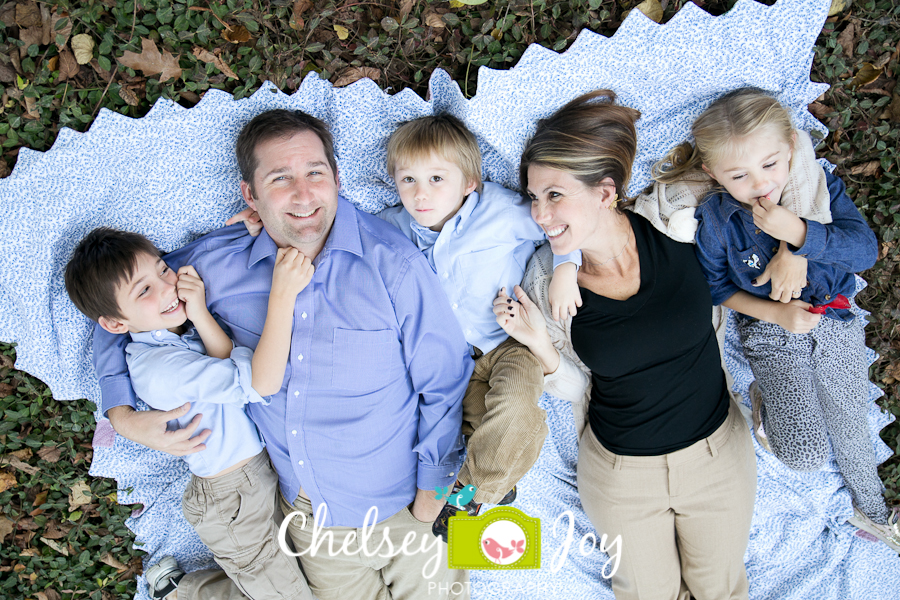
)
(568, 211)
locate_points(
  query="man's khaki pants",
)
(354, 575)
(501, 417)
(684, 517)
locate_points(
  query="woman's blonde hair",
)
(441, 135)
(732, 117)
(591, 138)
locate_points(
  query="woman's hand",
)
(787, 272)
(250, 219)
(523, 321)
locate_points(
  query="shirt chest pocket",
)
(485, 270)
(363, 361)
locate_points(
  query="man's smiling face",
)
(295, 191)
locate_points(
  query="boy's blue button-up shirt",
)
(733, 251)
(485, 246)
(168, 370)
(371, 405)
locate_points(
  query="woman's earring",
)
(615, 202)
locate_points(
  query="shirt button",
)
(827, 297)
(452, 474)
(294, 432)
(455, 305)
(300, 463)
(299, 357)
(446, 275)
(296, 393)
(774, 249)
(758, 231)
(303, 315)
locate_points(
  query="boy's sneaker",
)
(756, 404)
(509, 498)
(163, 577)
(889, 534)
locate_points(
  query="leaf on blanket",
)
(300, 7)
(652, 9)
(838, 6)
(83, 47)
(56, 546)
(7, 481)
(151, 61)
(867, 74)
(110, 560)
(6, 527)
(236, 34)
(208, 57)
(351, 74)
(80, 495)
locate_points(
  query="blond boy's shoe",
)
(756, 404)
(889, 534)
(163, 578)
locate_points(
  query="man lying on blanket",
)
(369, 413)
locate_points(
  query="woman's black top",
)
(658, 384)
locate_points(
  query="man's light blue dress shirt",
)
(168, 370)
(371, 405)
(485, 246)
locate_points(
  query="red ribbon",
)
(840, 301)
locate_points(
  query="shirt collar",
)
(344, 235)
(159, 337)
(730, 206)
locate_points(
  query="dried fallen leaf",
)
(7, 481)
(46, 23)
(894, 109)
(7, 75)
(28, 14)
(6, 527)
(209, 57)
(866, 75)
(29, 36)
(432, 19)
(50, 453)
(108, 559)
(53, 63)
(469, 2)
(128, 96)
(652, 9)
(405, 7)
(83, 47)
(869, 169)
(55, 531)
(56, 546)
(838, 6)
(351, 74)
(236, 34)
(847, 39)
(300, 7)
(30, 552)
(68, 66)
(23, 454)
(80, 495)
(65, 32)
(819, 110)
(151, 61)
(15, 462)
(342, 32)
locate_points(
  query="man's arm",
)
(437, 358)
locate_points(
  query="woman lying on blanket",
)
(666, 461)
(809, 361)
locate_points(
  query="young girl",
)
(807, 354)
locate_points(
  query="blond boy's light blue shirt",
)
(485, 246)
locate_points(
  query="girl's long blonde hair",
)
(732, 117)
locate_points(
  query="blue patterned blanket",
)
(172, 175)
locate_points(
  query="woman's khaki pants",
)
(683, 517)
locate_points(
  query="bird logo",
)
(752, 262)
(458, 498)
(498, 552)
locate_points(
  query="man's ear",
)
(337, 179)
(112, 325)
(247, 193)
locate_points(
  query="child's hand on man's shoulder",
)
(191, 291)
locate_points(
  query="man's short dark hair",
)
(103, 261)
(278, 124)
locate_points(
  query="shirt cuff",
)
(116, 391)
(724, 292)
(814, 243)
(568, 382)
(430, 477)
(242, 357)
(572, 257)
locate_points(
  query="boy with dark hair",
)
(119, 280)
